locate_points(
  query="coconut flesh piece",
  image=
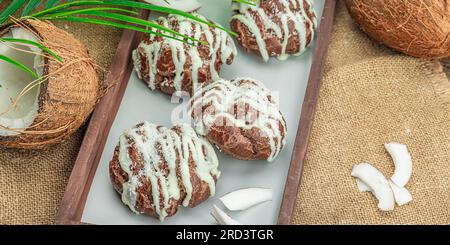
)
(222, 218)
(401, 194)
(362, 187)
(183, 5)
(402, 161)
(378, 184)
(13, 80)
(245, 198)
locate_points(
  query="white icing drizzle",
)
(217, 39)
(151, 142)
(299, 18)
(223, 95)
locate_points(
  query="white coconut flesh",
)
(361, 186)
(183, 5)
(402, 161)
(222, 218)
(377, 183)
(13, 80)
(401, 194)
(245, 198)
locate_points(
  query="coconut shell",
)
(420, 28)
(67, 96)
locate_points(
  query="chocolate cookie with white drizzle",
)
(156, 169)
(275, 28)
(169, 65)
(241, 117)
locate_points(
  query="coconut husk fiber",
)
(371, 95)
(32, 183)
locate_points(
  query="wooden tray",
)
(74, 200)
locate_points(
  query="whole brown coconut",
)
(68, 92)
(419, 28)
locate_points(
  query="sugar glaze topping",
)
(217, 39)
(223, 95)
(299, 18)
(156, 144)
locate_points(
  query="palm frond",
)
(29, 7)
(114, 24)
(28, 42)
(131, 4)
(11, 9)
(115, 13)
(50, 3)
(249, 2)
(120, 17)
(61, 10)
(19, 65)
(58, 14)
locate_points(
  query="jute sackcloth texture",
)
(369, 96)
(32, 183)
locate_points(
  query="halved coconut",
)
(38, 113)
(183, 5)
(13, 80)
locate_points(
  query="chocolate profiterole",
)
(157, 169)
(241, 118)
(169, 65)
(275, 28)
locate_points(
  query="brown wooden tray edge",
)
(74, 199)
(308, 112)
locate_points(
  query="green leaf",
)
(165, 10)
(249, 2)
(50, 3)
(11, 9)
(114, 24)
(133, 20)
(86, 11)
(31, 5)
(25, 41)
(18, 64)
(64, 6)
(131, 4)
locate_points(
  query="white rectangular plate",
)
(288, 78)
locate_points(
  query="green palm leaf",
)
(121, 17)
(87, 11)
(50, 3)
(25, 41)
(114, 24)
(29, 7)
(165, 10)
(19, 65)
(131, 4)
(249, 2)
(11, 9)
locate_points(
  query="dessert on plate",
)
(275, 28)
(169, 65)
(240, 117)
(156, 169)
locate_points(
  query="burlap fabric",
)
(32, 183)
(369, 96)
